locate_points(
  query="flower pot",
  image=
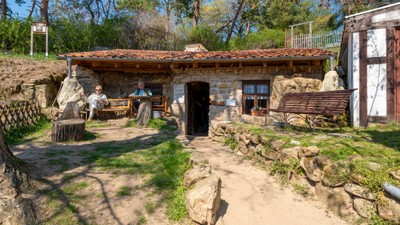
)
(257, 113)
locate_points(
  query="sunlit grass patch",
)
(97, 124)
(123, 191)
(28, 133)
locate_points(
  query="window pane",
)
(249, 88)
(262, 89)
(249, 103)
(262, 101)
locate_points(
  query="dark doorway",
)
(198, 102)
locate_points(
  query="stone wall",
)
(322, 178)
(227, 84)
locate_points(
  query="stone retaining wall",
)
(350, 200)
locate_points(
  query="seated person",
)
(96, 101)
(141, 91)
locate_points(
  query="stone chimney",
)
(195, 48)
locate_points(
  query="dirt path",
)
(250, 196)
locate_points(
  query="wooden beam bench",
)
(159, 103)
(114, 105)
(311, 104)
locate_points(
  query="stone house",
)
(370, 57)
(203, 86)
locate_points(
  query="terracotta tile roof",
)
(127, 54)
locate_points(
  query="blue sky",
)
(19, 11)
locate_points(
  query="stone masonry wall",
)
(321, 177)
(227, 84)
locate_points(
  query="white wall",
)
(376, 91)
(355, 78)
(376, 73)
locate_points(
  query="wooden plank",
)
(397, 74)
(390, 73)
(363, 79)
(376, 60)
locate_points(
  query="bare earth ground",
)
(249, 195)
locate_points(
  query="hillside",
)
(17, 74)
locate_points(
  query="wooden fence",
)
(323, 40)
(19, 114)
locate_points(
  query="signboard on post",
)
(179, 93)
(40, 28)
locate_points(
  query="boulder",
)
(332, 82)
(389, 209)
(204, 199)
(333, 175)
(313, 166)
(70, 92)
(309, 151)
(198, 172)
(359, 191)
(363, 207)
(243, 148)
(337, 201)
(277, 145)
(396, 174)
(288, 155)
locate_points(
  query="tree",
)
(3, 9)
(44, 11)
(12, 178)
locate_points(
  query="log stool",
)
(69, 129)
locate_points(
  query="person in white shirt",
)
(96, 101)
(141, 91)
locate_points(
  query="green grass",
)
(36, 56)
(160, 124)
(28, 133)
(124, 191)
(164, 164)
(232, 143)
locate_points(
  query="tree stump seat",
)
(66, 130)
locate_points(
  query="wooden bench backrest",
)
(326, 102)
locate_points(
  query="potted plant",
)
(257, 111)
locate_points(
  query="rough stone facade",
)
(224, 84)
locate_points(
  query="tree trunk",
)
(196, 13)
(70, 129)
(144, 113)
(32, 8)
(45, 11)
(3, 9)
(234, 21)
(13, 208)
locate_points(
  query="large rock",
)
(70, 92)
(363, 207)
(204, 200)
(333, 175)
(359, 191)
(309, 151)
(197, 173)
(289, 155)
(313, 166)
(389, 209)
(332, 82)
(337, 201)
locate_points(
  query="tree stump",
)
(65, 130)
(144, 113)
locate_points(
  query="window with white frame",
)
(255, 94)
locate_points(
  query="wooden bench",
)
(114, 105)
(159, 103)
(311, 104)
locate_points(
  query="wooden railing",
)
(19, 114)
